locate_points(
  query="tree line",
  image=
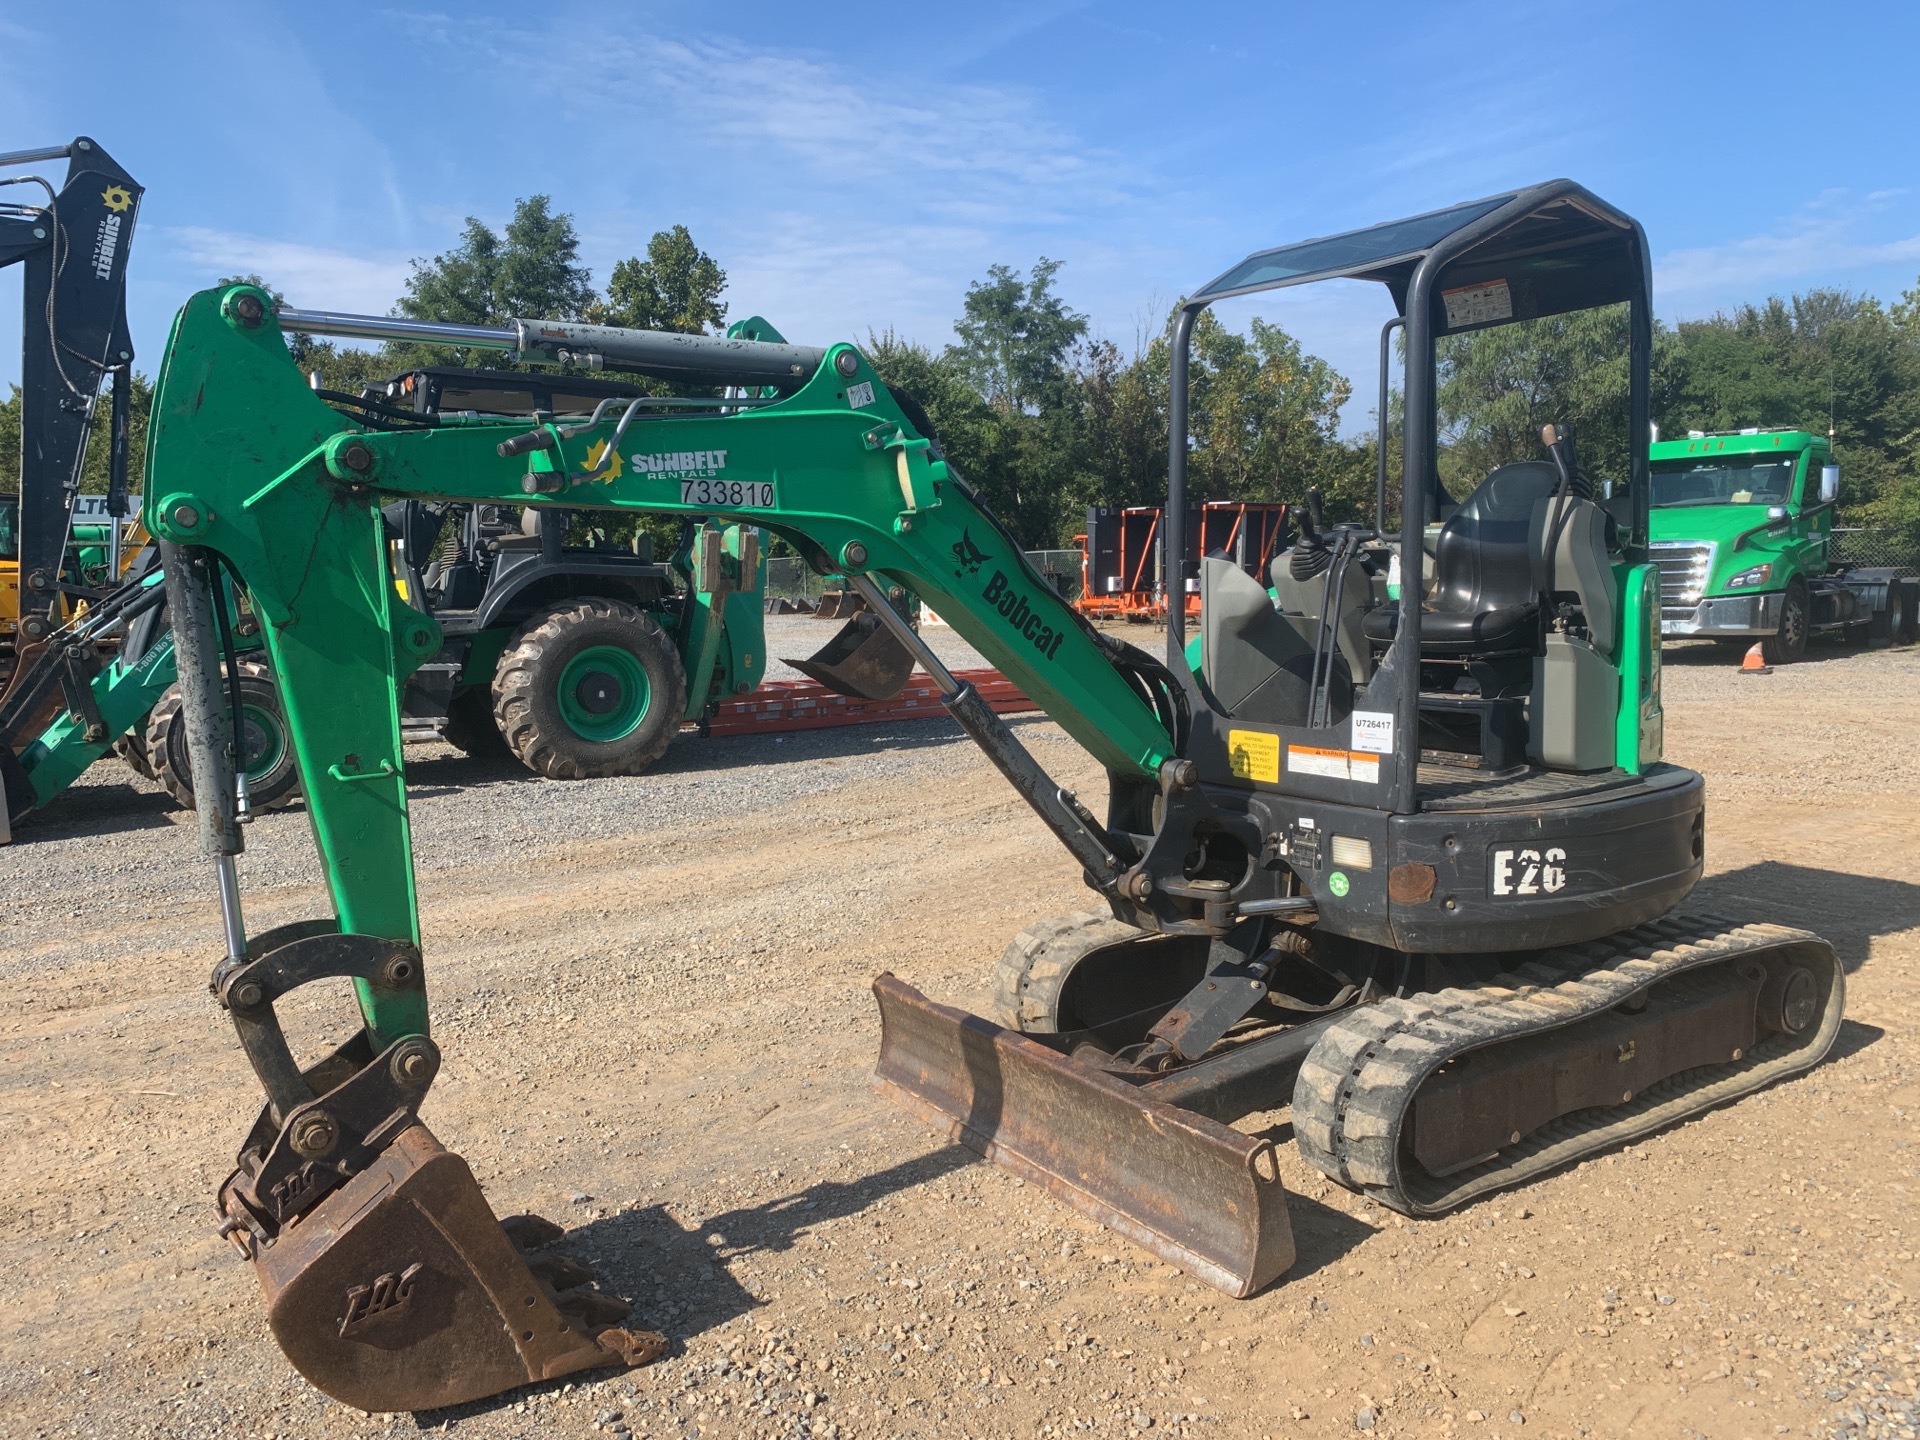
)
(1047, 420)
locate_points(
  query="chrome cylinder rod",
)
(29, 157)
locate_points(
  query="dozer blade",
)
(402, 1291)
(863, 660)
(1191, 1190)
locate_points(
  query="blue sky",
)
(853, 167)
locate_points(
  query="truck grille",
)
(1683, 573)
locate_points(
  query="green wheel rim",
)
(265, 740)
(604, 693)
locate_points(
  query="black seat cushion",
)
(1504, 630)
(1484, 601)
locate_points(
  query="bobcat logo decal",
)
(969, 556)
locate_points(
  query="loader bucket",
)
(402, 1291)
(863, 660)
(1193, 1191)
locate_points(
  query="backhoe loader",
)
(1392, 843)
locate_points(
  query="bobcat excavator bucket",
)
(863, 660)
(1191, 1190)
(401, 1291)
(389, 1282)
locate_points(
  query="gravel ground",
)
(651, 993)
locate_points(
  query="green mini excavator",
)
(1390, 843)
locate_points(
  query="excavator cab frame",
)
(1343, 768)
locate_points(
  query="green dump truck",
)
(1742, 530)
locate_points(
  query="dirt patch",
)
(652, 995)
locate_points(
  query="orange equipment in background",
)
(1121, 562)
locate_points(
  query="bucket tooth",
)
(531, 1232)
(1195, 1192)
(595, 1307)
(557, 1272)
(863, 660)
(402, 1291)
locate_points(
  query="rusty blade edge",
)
(1232, 1282)
(1223, 1175)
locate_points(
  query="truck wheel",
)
(591, 688)
(1899, 622)
(1790, 642)
(272, 779)
(132, 748)
(470, 726)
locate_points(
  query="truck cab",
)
(1740, 526)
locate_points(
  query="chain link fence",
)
(1874, 548)
(791, 578)
(1060, 569)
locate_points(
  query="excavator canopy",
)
(1552, 248)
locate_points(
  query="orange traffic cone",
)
(1755, 663)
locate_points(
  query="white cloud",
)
(310, 276)
(1823, 244)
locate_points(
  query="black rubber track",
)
(1358, 1084)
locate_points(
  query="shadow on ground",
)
(1849, 912)
(1718, 655)
(676, 1274)
(97, 810)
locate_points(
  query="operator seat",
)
(1484, 601)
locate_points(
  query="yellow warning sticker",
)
(1254, 755)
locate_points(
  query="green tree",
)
(1015, 336)
(982, 443)
(1265, 416)
(676, 287)
(531, 271)
(1814, 360)
(1263, 419)
(1497, 388)
(94, 469)
(1123, 420)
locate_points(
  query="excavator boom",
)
(339, 1190)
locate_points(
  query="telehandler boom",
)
(1404, 863)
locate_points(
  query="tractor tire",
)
(272, 778)
(591, 688)
(1789, 643)
(132, 748)
(470, 727)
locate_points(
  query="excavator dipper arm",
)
(388, 1282)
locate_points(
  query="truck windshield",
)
(1722, 482)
